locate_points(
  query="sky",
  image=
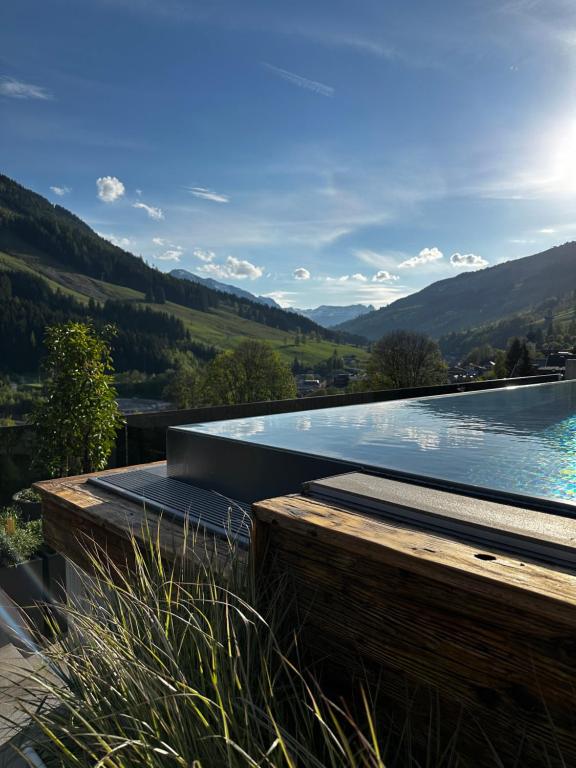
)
(315, 151)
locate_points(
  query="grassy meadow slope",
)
(48, 242)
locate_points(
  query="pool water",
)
(517, 440)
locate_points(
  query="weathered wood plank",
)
(493, 634)
(454, 563)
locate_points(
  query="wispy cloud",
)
(153, 213)
(281, 297)
(426, 256)
(208, 194)
(109, 188)
(239, 269)
(16, 89)
(358, 277)
(173, 253)
(467, 261)
(158, 241)
(376, 293)
(301, 82)
(379, 260)
(60, 191)
(121, 242)
(357, 42)
(301, 273)
(205, 256)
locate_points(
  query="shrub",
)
(19, 541)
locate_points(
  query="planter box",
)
(30, 510)
(38, 581)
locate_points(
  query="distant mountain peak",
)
(329, 316)
(209, 282)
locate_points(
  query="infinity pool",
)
(517, 440)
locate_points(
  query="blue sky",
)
(320, 151)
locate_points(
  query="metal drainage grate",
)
(224, 517)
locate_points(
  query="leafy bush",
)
(19, 541)
(30, 495)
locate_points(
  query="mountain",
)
(474, 299)
(184, 274)
(328, 316)
(54, 267)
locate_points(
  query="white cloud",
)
(547, 231)
(233, 268)
(172, 254)
(301, 273)
(121, 242)
(153, 213)
(207, 194)
(339, 291)
(60, 191)
(205, 256)
(15, 89)
(281, 297)
(358, 277)
(139, 192)
(109, 188)
(467, 260)
(301, 82)
(241, 268)
(426, 256)
(383, 275)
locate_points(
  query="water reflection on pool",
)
(516, 440)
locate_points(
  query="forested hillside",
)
(551, 326)
(475, 299)
(54, 267)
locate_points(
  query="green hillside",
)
(56, 267)
(474, 299)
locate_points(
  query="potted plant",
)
(29, 503)
(30, 573)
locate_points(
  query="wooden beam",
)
(489, 632)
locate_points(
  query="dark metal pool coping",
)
(524, 532)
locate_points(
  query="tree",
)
(185, 387)
(513, 355)
(78, 419)
(524, 365)
(407, 359)
(500, 366)
(254, 371)
(519, 359)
